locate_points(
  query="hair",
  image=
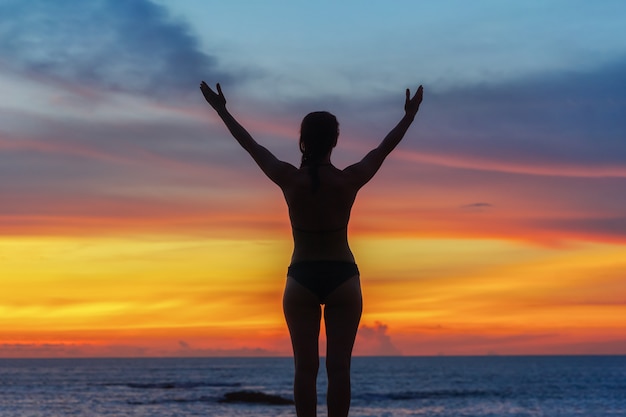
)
(318, 136)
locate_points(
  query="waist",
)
(319, 231)
(320, 246)
(321, 253)
(322, 266)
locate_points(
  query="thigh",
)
(303, 314)
(342, 314)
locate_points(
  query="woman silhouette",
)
(322, 271)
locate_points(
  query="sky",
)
(132, 224)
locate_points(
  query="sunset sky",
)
(132, 224)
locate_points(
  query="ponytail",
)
(318, 136)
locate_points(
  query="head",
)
(318, 136)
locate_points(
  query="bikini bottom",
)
(322, 277)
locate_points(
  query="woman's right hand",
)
(412, 105)
(216, 100)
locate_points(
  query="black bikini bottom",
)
(322, 277)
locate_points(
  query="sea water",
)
(494, 386)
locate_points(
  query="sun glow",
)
(152, 292)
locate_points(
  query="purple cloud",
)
(131, 45)
(374, 340)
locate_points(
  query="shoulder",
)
(357, 175)
(331, 179)
(281, 173)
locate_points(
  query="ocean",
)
(494, 386)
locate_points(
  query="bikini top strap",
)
(298, 229)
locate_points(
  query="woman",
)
(322, 270)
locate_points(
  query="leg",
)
(303, 314)
(341, 317)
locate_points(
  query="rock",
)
(254, 397)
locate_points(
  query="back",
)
(319, 218)
(325, 209)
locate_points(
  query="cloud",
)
(86, 350)
(557, 343)
(130, 45)
(610, 227)
(236, 352)
(564, 122)
(374, 341)
(90, 173)
(69, 350)
(560, 123)
(475, 206)
(496, 142)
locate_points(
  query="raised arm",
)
(277, 170)
(364, 170)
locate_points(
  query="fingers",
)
(418, 94)
(205, 87)
(216, 100)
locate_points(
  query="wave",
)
(172, 385)
(249, 397)
(161, 401)
(429, 394)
